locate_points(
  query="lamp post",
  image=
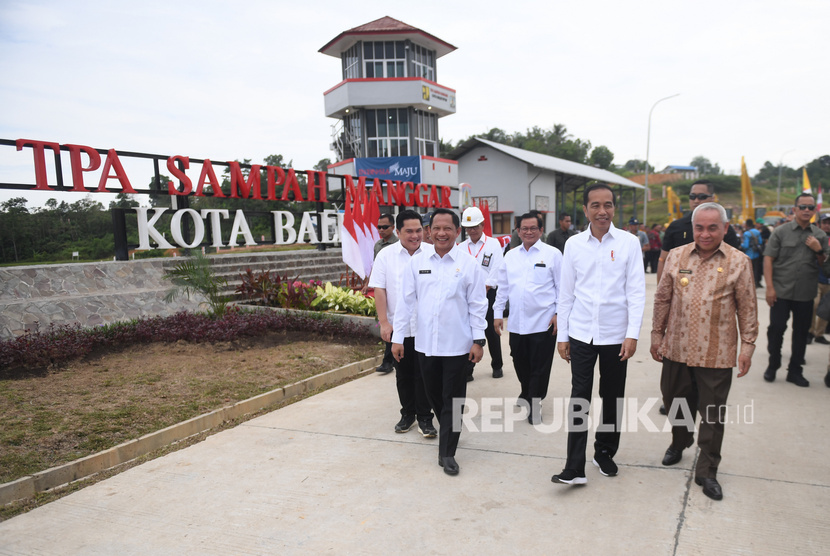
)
(648, 145)
(780, 161)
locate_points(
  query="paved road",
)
(328, 474)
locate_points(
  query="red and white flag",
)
(364, 237)
(485, 212)
(350, 240)
(818, 202)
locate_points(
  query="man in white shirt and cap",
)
(447, 290)
(387, 275)
(529, 279)
(487, 251)
(601, 301)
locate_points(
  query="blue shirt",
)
(752, 253)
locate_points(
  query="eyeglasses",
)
(384, 227)
(696, 196)
(526, 230)
(806, 207)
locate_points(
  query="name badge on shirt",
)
(424, 272)
(485, 260)
(540, 265)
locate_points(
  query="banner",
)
(403, 168)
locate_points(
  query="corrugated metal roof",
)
(554, 164)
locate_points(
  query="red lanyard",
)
(483, 243)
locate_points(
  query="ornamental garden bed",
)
(135, 378)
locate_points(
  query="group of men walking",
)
(439, 305)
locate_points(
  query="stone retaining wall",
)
(97, 293)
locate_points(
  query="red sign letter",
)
(77, 169)
(446, 193)
(421, 200)
(187, 185)
(316, 184)
(40, 160)
(240, 185)
(273, 183)
(209, 175)
(292, 184)
(114, 163)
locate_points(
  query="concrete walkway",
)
(328, 474)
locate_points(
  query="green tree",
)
(704, 166)
(15, 223)
(637, 166)
(601, 157)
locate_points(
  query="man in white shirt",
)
(529, 279)
(488, 253)
(446, 289)
(387, 274)
(601, 301)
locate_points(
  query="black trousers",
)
(706, 391)
(411, 391)
(444, 380)
(779, 314)
(612, 373)
(493, 339)
(532, 358)
(758, 269)
(388, 359)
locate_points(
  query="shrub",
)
(336, 298)
(60, 344)
(194, 275)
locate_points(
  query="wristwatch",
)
(480, 342)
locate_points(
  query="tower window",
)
(384, 59)
(387, 132)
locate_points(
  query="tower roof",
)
(385, 28)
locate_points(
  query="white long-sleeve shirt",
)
(451, 301)
(488, 252)
(387, 273)
(529, 278)
(603, 288)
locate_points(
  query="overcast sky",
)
(235, 80)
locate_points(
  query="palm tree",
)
(195, 275)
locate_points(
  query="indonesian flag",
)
(364, 238)
(485, 211)
(818, 201)
(350, 240)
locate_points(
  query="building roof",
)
(385, 28)
(682, 168)
(576, 174)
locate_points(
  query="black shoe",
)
(822, 340)
(810, 338)
(798, 379)
(569, 477)
(498, 373)
(449, 464)
(769, 374)
(405, 423)
(605, 464)
(662, 409)
(672, 456)
(427, 429)
(827, 379)
(711, 488)
(384, 368)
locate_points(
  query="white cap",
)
(472, 217)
